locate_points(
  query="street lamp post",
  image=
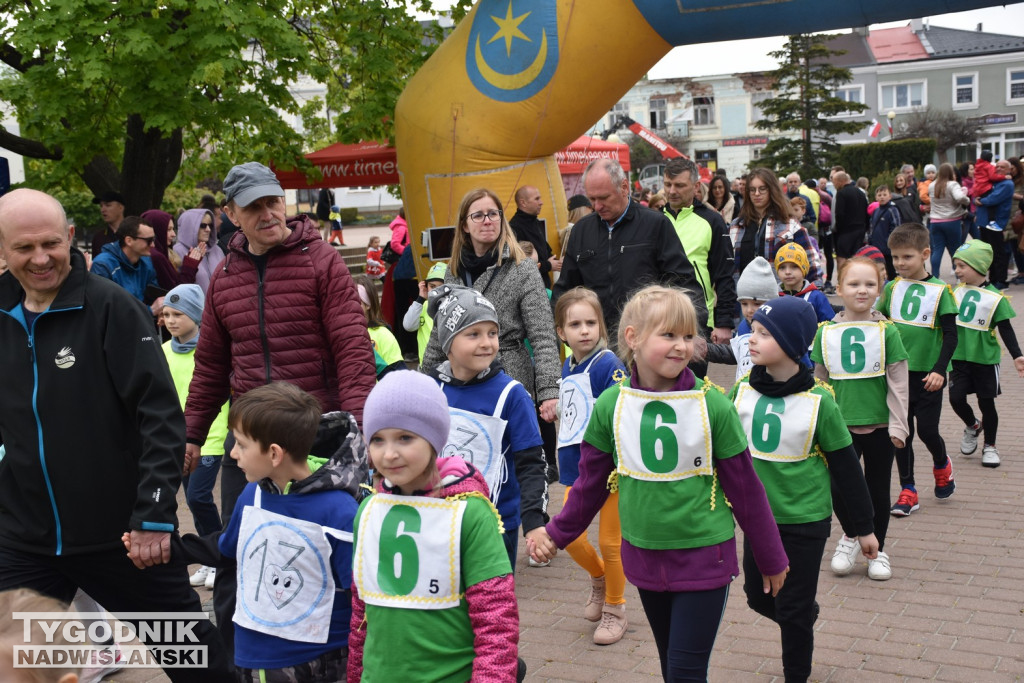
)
(891, 116)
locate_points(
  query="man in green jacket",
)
(705, 239)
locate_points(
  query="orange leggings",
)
(609, 563)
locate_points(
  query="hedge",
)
(873, 158)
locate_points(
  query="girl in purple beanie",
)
(432, 590)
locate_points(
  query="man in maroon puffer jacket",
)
(281, 307)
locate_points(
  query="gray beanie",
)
(757, 281)
(411, 401)
(454, 308)
(188, 299)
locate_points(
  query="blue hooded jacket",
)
(995, 207)
(114, 265)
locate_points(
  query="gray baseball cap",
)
(249, 181)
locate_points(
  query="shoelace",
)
(942, 476)
(904, 499)
(608, 620)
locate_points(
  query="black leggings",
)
(989, 414)
(793, 608)
(685, 626)
(877, 451)
(926, 407)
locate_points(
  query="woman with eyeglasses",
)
(486, 256)
(197, 244)
(764, 224)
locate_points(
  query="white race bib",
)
(408, 553)
(576, 404)
(662, 436)
(779, 429)
(285, 581)
(915, 303)
(853, 350)
(741, 350)
(976, 306)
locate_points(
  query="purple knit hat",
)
(411, 401)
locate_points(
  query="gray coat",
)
(524, 312)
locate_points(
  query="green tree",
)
(803, 111)
(126, 95)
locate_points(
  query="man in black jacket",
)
(527, 226)
(94, 433)
(622, 247)
(849, 218)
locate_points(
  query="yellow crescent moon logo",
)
(512, 81)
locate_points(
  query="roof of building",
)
(855, 50)
(953, 42)
(898, 44)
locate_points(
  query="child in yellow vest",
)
(182, 313)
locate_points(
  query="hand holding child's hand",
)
(549, 410)
(540, 545)
(1018, 363)
(126, 538)
(193, 454)
(933, 381)
(773, 584)
(869, 546)
(898, 443)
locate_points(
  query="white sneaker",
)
(969, 443)
(199, 578)
(989, 457)
(845, 556)
(211, 576)
(879, 568)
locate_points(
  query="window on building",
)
(757, 152)
(620, 109)
(1014, 145)
(658, 108)
(902, 95)
(965, 90)
(703, 111)
(850, 93)
(756, 98)
(1015, 86)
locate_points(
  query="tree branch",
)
(28, 148)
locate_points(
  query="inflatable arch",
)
(518, 80)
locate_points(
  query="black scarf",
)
(473, 266)
(803, 380)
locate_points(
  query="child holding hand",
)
(587, 372)
(677, 450)
(799, 443)
(861, 353)
(493, 419)
(433, 595)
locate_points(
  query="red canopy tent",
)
(371, 163)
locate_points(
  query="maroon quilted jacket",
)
(302, 324)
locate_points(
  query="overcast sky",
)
(752, 55)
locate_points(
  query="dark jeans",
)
(793, 608)
(198, 488)
(685, 626)
(329, 667)
(877, 451)
(112, 580)
(994, 238)
(232, 481)
(926, 407)
(945, 235)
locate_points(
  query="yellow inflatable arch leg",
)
(518, 80)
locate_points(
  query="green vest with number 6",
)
(664, 445)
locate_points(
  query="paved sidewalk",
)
(953, 611)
